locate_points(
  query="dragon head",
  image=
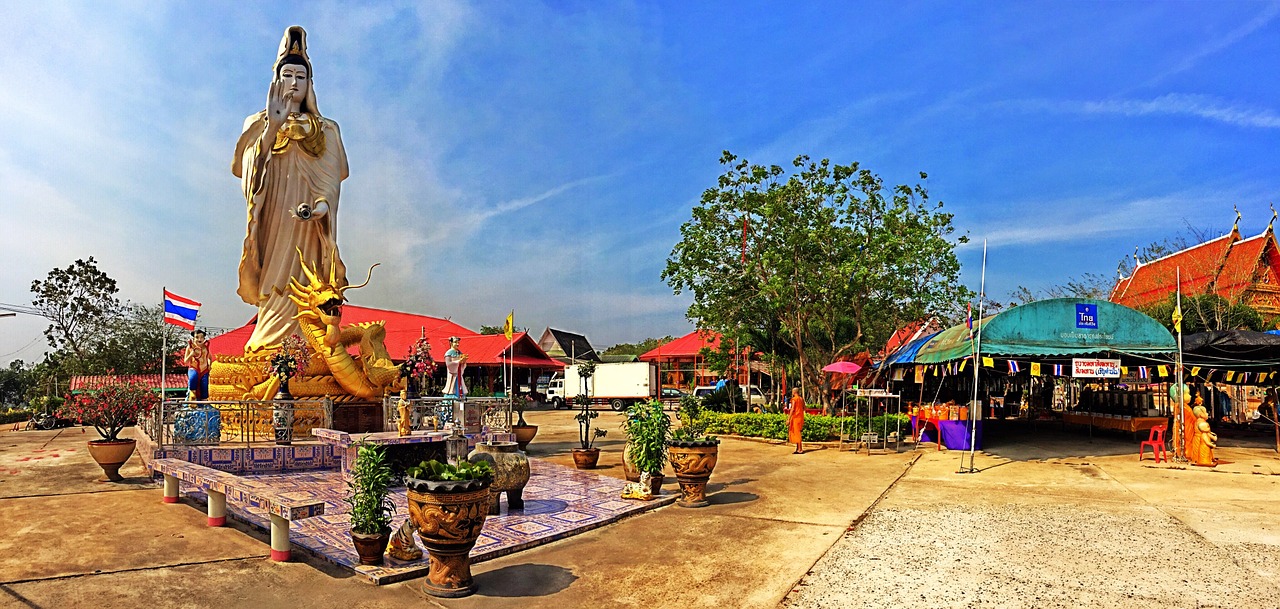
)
(319, 301)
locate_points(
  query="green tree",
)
(640, 348)
(14, 382)
(829, 254)
(133, 340)
(78, 301)
(1206, 312)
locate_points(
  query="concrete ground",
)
(1053, 519)
(73, 541)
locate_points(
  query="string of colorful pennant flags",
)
(1156, 373)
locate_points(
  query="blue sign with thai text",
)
(1087, 316)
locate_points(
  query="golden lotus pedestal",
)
(449, 517)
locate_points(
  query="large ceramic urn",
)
(693, 462)
(449, 516)
(510, 472)
(110, 455)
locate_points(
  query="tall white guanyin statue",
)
(291, 165)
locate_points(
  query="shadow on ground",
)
(525, 580)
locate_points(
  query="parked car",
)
(671, 393)
(752, 393)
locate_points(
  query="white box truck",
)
(618, 384)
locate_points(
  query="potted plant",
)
(289, 362)
(586, 456)
(371, 506)
(524, 431)
(417, 368)
(109, 409)
(448, 505)
(648, 428)
(692, 454)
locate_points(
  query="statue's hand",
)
(310, 211)
(278, 100)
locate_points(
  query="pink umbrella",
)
(844, 367)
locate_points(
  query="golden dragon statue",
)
(332, 370)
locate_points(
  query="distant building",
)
(682, 365)
(1239, 270)
(566, 347)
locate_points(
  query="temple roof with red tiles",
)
(1227, 266)
(404, 329)
(687, 346)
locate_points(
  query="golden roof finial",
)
(1136, 262)
(1273, 216)
(1235, 228)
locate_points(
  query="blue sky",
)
(542, 157)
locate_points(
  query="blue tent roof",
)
(907, 353)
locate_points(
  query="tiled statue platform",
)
(559, 502)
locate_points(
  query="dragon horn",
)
(307, 270)
(333, 266)
(366, 281)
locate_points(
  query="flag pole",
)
(1179, 431)
(974, 407)
(164, 348)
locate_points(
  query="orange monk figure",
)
(795, 421)
(1202, 440)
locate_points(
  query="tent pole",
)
(1178, 430)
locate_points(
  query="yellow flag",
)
(509, 329)
(1163, 370)
(1035, 368)
(1195, 371)
(962, 363)
(1177, 318)
(1231, 375)
(1124, 371)
(988, 362)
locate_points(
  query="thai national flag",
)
(968, 321)
(1013, 367)
(180, 311)
(1057, 369)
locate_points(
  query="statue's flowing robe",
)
(294, 173)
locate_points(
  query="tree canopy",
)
(638, 348)
(827, 259)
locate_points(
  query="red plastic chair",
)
(1156, 442)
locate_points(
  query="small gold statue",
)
(404, 425)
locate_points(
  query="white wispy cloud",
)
(1269, 13)
(1174, 104)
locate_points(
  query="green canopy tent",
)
(1056, 327)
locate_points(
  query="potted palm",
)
(448, 505)
(371, 506)
(109, 409)
(648, 428)
(692, 454)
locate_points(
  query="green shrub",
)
(817, 428)
(14, 416)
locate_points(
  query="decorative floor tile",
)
(559, 502)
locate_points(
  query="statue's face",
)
(293, 78)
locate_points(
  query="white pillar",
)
(217, 508)
(279, 539)
(170, 489)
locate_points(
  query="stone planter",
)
(449, 517)
(586, 458)
(693, 463)
(629, 469)
(524, 434)
(510, 472)
(111, 454)
(370, 547)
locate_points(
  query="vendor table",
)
(1118, 423)
(955, 434)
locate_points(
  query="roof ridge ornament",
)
(1273, 216)
(1235, 228)
(1136, 262)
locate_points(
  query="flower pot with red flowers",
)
(289, 362)
(109, 409)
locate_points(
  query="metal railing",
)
(437, 413)
(214, 423)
